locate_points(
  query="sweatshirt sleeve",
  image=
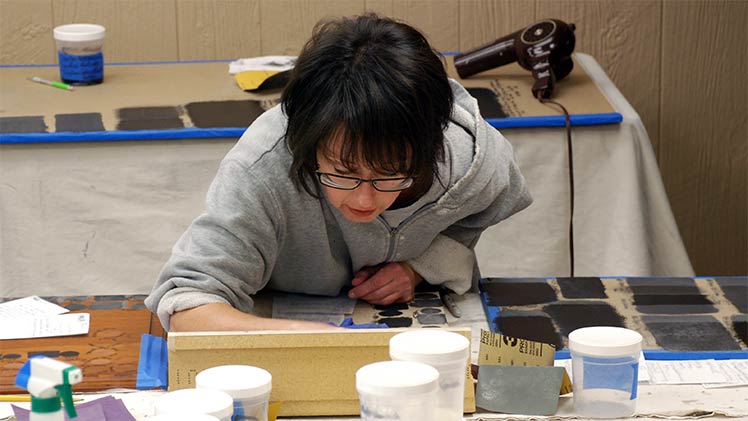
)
(227, 253)
(450, 258)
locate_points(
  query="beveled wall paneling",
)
(137, 30)
(482, 21)
(437, 19)
(287, 24)
(624, 37)
(26, 32)
(218, 30)
(704, 130)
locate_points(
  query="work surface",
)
(115, 342)
(101, 217)
(653, 403)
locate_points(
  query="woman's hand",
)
(385, 284)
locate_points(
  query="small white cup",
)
(397, 390)
(248, 386)
(605, 368)
(445, 351)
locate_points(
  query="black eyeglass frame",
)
(373, 181)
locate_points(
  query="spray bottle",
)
(47, 381)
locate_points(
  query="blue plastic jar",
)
(80, 53)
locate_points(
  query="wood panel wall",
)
(682, 64)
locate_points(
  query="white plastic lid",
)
(605, 341)
(183, 417)
(79, 32)
(430, 346)
(239, 381)
(397, 378)
(196, 401)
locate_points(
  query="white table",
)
(101, 218)
(623, 223)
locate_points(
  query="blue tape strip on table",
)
(153, 363)
(222, 132)
(120, 135)
(556, 120)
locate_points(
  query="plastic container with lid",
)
(448, 353)
(248, 386)
(605, 368)
(397, 390)
(80, 53)
(189, 402)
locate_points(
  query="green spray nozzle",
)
(49, 381)
(66, 394)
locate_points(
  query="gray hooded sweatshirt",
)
(260, 231)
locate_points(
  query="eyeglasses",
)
(350, 183)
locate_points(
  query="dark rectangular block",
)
(516, 292)
(740, 326)
(572, 315)
(585, 287)
(149, 113)
(533, 325)
(149, 118)
(690, 333)
(23, 124)
(666, 299)
(213, 114)
(79, 122)
(673, 304)
(663, 286)
(736, 291)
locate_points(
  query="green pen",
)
(59, 85)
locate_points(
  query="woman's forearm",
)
(222, 317)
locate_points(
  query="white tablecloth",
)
(623, 224)
(100, 218)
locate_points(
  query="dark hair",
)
(377, 83)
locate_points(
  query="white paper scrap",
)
(735, 372)
(43, 327)
(30, 306)
(272, 63)
(685, 372)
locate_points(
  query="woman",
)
(375, 173)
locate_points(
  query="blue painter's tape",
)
(122, 63)
(153, 363)
(236, 132)
(635, 386)
(492, 313)
(85, 68)
(555, 120)
(24, 374)
(617, 373)
(119, 135)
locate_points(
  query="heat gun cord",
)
(571, 179)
